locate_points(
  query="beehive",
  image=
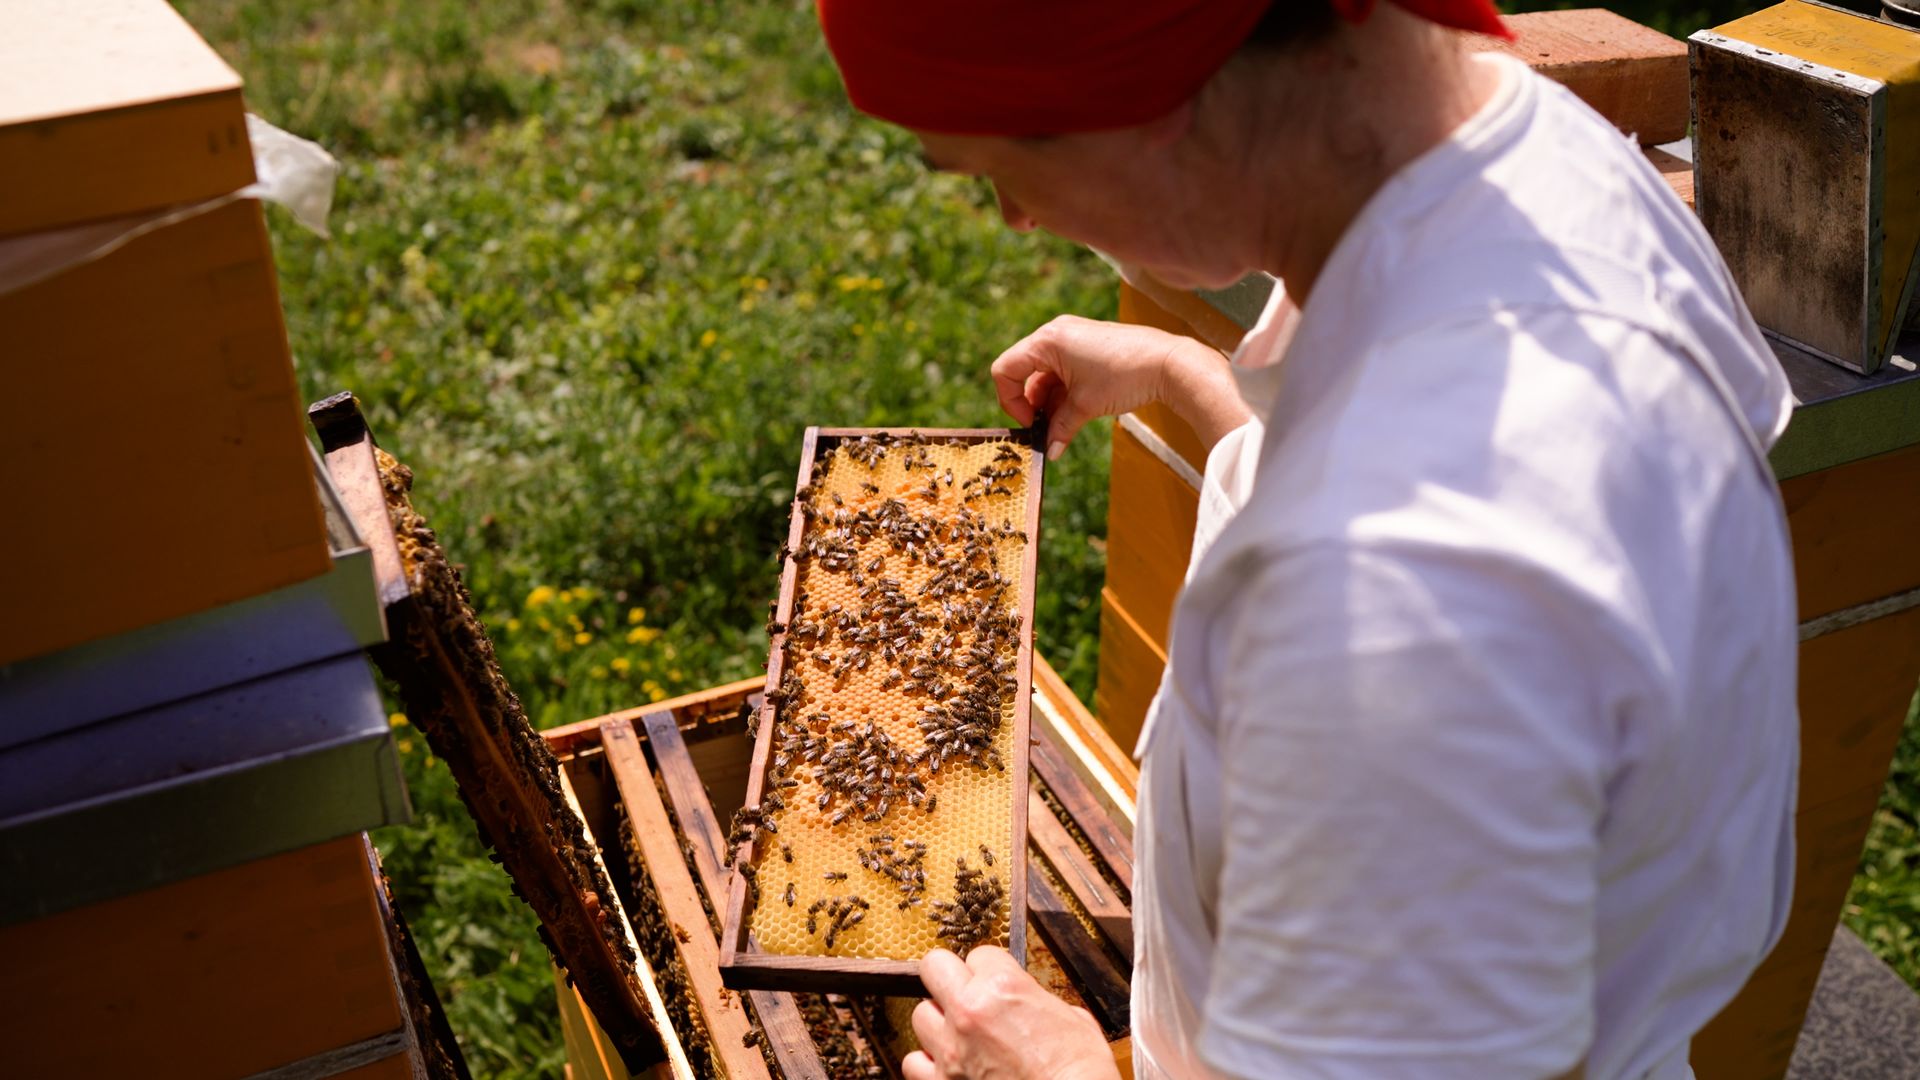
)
(891, 743)
(694, 772)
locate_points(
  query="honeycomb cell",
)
(868, 715)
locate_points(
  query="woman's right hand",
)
(1078, 369)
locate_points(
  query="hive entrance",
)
(887, 811)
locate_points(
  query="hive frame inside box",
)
(676, 770)
(742, 963)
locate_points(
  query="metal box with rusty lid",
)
(1806, 138)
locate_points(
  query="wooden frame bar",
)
(742, 964)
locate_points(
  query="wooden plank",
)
(1633, 75)
(1130, 667)
(1092, 755)
(727, 1023)
(1102, 904)
(689, 798)
(786, 1030)
(1113, 844)
(1848, 524)
(1099, 979)
(676, 1055)
(743, 965)
(567, 738)
(1855, 686)
(214, 975)
(1151, 516)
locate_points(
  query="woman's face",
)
(1119, 191)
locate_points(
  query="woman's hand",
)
(989, 1020)
(1078, 369)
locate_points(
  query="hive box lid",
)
(164, 794)
(110, 107)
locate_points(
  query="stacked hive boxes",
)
(190, 743)
(150, 443)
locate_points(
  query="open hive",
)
(892, 753)
(654, 784)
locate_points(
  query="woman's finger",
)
(944, 975)
(918, 1066)
(931, 1028)
(1010, 374)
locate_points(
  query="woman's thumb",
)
(1063, 423)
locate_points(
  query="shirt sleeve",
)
(1225, 486)
(1412, 793)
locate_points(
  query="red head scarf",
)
(1052, 67)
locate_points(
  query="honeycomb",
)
(964, 585)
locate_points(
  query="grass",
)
(594, 266)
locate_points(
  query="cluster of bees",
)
(843, 912)
(977, 899)
(907, 870)
(933, 615)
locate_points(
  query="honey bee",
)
(789, 896)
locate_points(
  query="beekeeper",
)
(1475, 751)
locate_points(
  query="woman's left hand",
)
(988, 1020)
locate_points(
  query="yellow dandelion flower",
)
(707, 339)
(513, 625)
(874, 284)
(566, 596)
(398, 719)
(543, 623)
(658, 695)
(574, 621)
(582, 638)
(848, 282)
(406, 746)
(539, 596)
(622, 665)
(636, 615)
(760, 284)
(642, 635)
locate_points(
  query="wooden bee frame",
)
(743, 964)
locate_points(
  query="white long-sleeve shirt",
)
(1476, 750)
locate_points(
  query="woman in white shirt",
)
(1475, 752)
